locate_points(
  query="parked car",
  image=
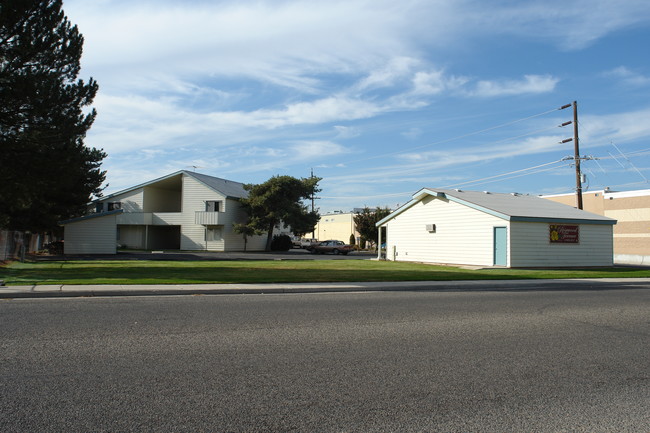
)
(307, 243)
(303, 242)
(332, 246)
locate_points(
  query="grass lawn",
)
(268, 271)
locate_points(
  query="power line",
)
(518, 173)
(457, 137)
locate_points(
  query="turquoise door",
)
(500, 246)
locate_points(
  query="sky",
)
(378, 98)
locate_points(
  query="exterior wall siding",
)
(168, 215)
(632, 210)
(335, 226)
(91, 236)
(131, 236)
(463, 235)
(530, 246)
(161, 200)
(132, 201)
(195, 194)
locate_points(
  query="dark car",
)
(334, 247)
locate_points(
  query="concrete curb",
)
(57, 291)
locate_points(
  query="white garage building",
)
(492, 229)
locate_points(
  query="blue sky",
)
(380, 98)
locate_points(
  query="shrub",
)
(281, 243)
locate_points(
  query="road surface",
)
(502, 361)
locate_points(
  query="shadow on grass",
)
(143, 272)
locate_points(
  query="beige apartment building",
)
(337, 226)
(632, 211)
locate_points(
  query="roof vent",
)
(458, 190)
(516, 194)
(486, 192)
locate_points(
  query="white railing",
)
(150, 218)
(209, 218)
(135, 218)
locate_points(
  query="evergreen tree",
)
(280, 200)
(47, 172)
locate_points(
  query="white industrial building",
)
(493, 229)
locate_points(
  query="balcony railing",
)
(209, 218)
(150, 218)
(135, 218)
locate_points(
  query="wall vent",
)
(431, 228)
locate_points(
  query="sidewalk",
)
(54, 291)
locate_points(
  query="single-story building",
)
(494, 229)
(181, 211)
(631, 209)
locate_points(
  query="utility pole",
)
(312, 194)
(576, 148)
(313, 197)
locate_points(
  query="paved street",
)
(493, 360)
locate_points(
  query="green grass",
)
(268, 271)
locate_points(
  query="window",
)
(99, 207)
(213, 206)
(114, 205)
(212, 233)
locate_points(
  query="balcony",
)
(135, 218)
(209, 218)
(150, 218)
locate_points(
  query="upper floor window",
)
(99, 207)
(114, 205)
(213, 206)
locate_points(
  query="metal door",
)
(500, 246)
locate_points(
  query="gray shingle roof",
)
(511, 207)
(520, 205)
(229, 188)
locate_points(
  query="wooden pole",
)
(577, 156)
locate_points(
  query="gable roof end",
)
(510, 207)
(228, 188)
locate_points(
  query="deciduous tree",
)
(365, 222)
(47, 172)
(280, 200)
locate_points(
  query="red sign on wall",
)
(564, 234)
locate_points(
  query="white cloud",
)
(529, 84)
(435, 82)
(315, 150)
(396, 70)
(571, 25)
(628, 76)
(412, 133)
(344, 132)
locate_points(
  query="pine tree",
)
(47, 174)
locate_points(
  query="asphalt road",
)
(489, 361)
